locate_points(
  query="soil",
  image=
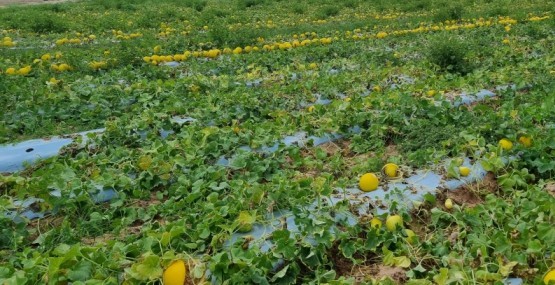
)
(370, 270)
(470, 195)
(104, 238)
(28, 2)
(550, 188)
(38, 226)
(464, 196)
(390, 151)
(340, 146)
(363, 273)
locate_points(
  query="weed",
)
(450, 55)
(220, 36)
(351, 4)
(328, 11)
(198, 5)
(243, 4)
(48, 24)
(451, 12)
(298, 8)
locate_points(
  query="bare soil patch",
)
(371, 269)
(470, 195)
(364, 273)
(550, 188)
(465, 196)
(29, 2)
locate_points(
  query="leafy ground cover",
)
(251, 72)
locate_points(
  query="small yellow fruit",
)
(24, 70)
(311, 109)
(381, 35)
(550, 276)
(525, 141)
(411, 236)
(175, 274)
(246, 221)
(145, 162)
(368, 182)
(449, 204)
(391, 170)
(237, 50)
(54, 81)
(431, 93)
(64, 67)
(393, 222)
(10, 71)
(506, 144)
(464, 171)
(375, 223)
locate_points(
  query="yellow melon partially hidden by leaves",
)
(506, 144)
(411, 236)
(549, 277)
(246, 221)
(375, 223)
(525, 141)
(393, 222)
(175, 274)
(144, 162)
(391, 170)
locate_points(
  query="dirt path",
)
(28, 2)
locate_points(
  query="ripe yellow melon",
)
(175, 274)
(449, 204)
(368, 182)
(506, 144)
(411, 236)
(375, 223)
(525, 141)
(391, 170)
(393, 221)
(464, 171)
(549, 277)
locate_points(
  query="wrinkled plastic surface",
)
(14, 157)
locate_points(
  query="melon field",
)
(277, 142)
